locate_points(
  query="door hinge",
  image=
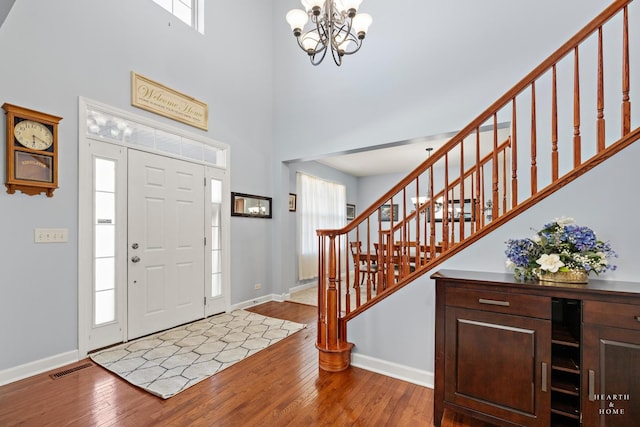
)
(205, 181)
(205, 240)
(205, 300)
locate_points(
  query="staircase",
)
(546, 131)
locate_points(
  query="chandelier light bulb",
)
(310, 42)
(309, 6)
(361, 23)
(348, 5)
(297, 19)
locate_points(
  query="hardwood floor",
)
(279, 386)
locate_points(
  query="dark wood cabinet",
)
(537, 354)
(611, 364)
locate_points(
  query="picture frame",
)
(453, 211)
(351, 211)
(385, 212)
(292, 202)
(250, 206)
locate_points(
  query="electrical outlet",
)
(51, 235)
(257, 286)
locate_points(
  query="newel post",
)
(334, 351)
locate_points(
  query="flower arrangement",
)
(561, 246)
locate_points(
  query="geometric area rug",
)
(169, 362)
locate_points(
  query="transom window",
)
(190, 12)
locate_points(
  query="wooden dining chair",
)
(365, 266)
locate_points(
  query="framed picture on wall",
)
(385, 212)
(292, 202)
(454, 212)
(251, 206)
(351, 211)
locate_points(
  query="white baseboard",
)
(393, 370)
(303, 287)
(256, 301)
(37, 367)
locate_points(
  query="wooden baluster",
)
(462, 196)
(452, 199)
(445, 205)
(432, 214)
(474, 204)
(504, 180)
(626, 104)
(600, 120)
(577, 139)
(534, 166)
(554, 125)
(484, 191)
(495, 186)
(339, 279)
(479, 190)
(514, 156)
(418, 212)
(368, 249)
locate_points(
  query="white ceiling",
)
(401, 158)
(396, 157)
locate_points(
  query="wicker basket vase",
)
(572, 276)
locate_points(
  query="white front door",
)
(166, 243)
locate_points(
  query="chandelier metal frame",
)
(340, 31)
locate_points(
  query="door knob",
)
(135, 259)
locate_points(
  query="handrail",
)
(474, 183)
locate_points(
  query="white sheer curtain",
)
(321, 204)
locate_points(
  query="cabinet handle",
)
(638, 318)
(494, 302)
(592, 385)
(544, 376)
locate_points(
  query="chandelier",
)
(335, 26)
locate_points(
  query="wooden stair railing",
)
(485, 175)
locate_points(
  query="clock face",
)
(34, 135)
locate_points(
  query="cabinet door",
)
(611, 376)
(499, 365)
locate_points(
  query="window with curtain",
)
(321, 204)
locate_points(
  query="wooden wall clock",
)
(32, 151)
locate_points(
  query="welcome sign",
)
(162, 100)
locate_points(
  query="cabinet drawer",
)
(500, 302)
(612, 314)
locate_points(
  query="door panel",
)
(612, 376)
(484, 374)
(166, 243)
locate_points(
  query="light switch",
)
(51, 235)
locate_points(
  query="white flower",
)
(536, 239)
(510, 265)
(564, 221)
(550, 263)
